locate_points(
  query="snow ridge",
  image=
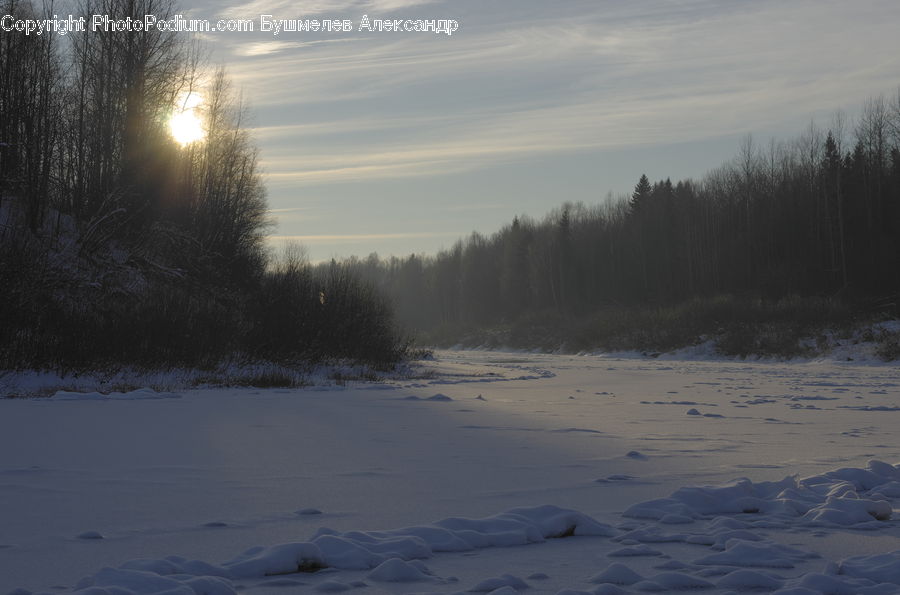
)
(845, 497)
(353, 550)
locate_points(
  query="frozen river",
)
(206, 474)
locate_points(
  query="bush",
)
(68, 312)
(888, 345)
(315, 314)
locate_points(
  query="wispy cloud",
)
(519, 134)
(267, 48)
(290, 210)
(598, 81)
(355, 125)
(312, 8)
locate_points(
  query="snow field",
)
(744, 560)
(609, 484)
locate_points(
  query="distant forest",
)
(119, 246)
(806, 232)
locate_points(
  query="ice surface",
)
(678, 581)
(90, 535)
(209, 473)
(765, 554)
(505, 581)
(750, 580)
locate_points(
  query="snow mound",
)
(882, 568)
(634, 552)
(617, 574)
(135, 395)
(362, 551)
(396, 570)
(675, 519)
(854, 497)
(438, 397)
(850, 510)
(519, 526)
(741, 496)
(176, 565)
(286, 558)
(392, 556)
(833, 585)
(113, 581)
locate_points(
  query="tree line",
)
(118, 245)
(817, 216)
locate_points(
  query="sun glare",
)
(185, 125)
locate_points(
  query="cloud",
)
(490, 139)
(612, 77)
(290, 210)
(267, 48)
(287, 132)
(313, 8)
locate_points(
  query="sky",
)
(401, 142)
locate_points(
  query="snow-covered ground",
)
(463, 481)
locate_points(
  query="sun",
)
(186, 125)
